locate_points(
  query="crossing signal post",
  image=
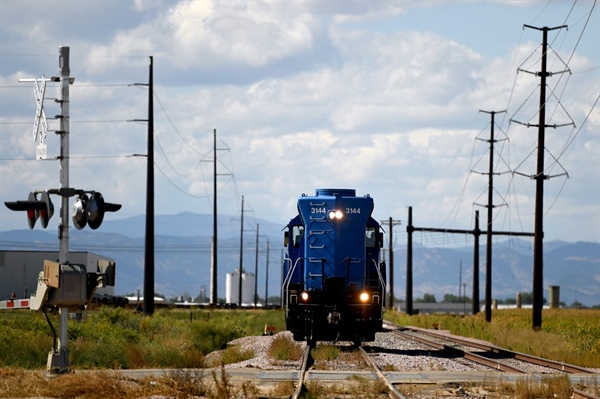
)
(62, 285)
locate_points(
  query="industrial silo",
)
(232, 287)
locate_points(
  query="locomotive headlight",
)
(334, 214)
(304, 296)
(364, 296)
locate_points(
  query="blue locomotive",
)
(334, 281)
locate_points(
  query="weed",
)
(285, 388)
(325, 352)
(235, 354)
(284, 348)
(189, 382)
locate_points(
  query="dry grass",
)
(113, 385)
(349, 388)
(549, 387)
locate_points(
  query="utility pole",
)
(213, 266)
(476, 232)
(241, 254)
(256, 270)
(267, 277)
(490, 206)
(538, 239)
(409, 263)
(149, 238)
(391, 223)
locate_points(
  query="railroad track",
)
(394, 393)
(489, 355)
(308, 361)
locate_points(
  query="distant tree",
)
(429, 298)
(577, 305)
(451, 298)
(527, 298)
(274, 301)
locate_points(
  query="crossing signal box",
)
(70, 285)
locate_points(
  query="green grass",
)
(115, 338)
(567, 335)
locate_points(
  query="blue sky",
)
(378, 96)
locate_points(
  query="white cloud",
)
(304, 94)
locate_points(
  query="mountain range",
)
(183, 259)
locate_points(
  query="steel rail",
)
(467, 355)
(394, 393)
(578, 394)
(553, 364)
(303, 372)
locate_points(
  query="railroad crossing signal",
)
(86, 210)
(91, 210)
(42, 209)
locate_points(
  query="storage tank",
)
(232, 288)
(554, 297)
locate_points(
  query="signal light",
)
(43, 209)
(32, 214)
(91, 210)
(47, 211)
(79, 213)
(86, 210)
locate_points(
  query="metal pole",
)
(490, 206)
(538, 238)
(60, 359)
(213, 268)
(241, 254)
(391, 258)
(149, 239)
(475, 307)
(267, 277)
(256, 270)
(409, 264)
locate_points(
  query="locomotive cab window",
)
(297, 232)
(371, 235)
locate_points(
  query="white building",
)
(232, 288)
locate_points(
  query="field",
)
(113, 339)
(567, 335)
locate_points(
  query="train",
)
(334, 279)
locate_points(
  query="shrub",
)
(284, 348)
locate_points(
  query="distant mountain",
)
(183, 258)
(187, 224)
